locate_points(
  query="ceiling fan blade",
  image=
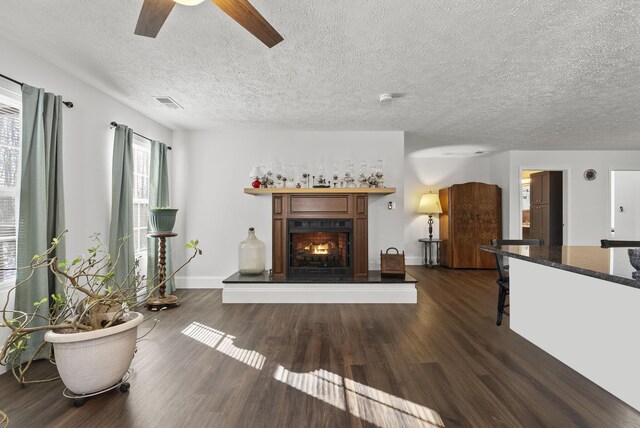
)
(246, 15)
(152, 16)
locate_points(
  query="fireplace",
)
(320, 235)
(319, 248)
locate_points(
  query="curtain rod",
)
(114, 124)
(69, 104)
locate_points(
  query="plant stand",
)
(80, 399)
(162, 301)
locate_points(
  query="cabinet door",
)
(544, 223)
(488, 222)
(536, 188)
(534, 221)
(540, 223)
(463, 234)
(545, 188)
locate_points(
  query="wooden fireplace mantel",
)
(311, 205)
(367, 190)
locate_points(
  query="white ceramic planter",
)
(91, 361)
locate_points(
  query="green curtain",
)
(41, 210)
(158, 197)
(121, 228)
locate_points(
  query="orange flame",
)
(318, 248)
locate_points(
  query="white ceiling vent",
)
(169, 102)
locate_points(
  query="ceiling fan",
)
(155, 12)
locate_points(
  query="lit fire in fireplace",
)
(318, 248)
(317, 254)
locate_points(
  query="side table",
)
(162, 301)
(428, 251)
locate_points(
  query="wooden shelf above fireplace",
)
(269, 191)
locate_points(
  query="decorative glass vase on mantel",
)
(251, 255)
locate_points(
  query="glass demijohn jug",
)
(251, 255)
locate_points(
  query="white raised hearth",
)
(320, 252)
(264, 289)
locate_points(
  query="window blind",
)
(10, 127)
(141, 161)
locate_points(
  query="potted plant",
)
(162, 219)
(91, 323)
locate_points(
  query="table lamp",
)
(430, 205)
(255, 173)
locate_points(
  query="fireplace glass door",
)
(320, 248)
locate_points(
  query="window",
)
(141, 160)
(10, 147)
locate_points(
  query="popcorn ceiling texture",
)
(507, 74)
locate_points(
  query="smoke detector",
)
(386, 99)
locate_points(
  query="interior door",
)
(626, 205)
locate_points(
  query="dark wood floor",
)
(442, 362)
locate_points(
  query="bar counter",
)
(581, 305)
(609, 264)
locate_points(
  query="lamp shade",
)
(430, 204)
(256, 172)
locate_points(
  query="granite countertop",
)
(609, 264)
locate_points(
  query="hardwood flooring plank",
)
(442, 362)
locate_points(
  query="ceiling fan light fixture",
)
(189, 2)
(154, 13)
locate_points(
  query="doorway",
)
(625, 205)
(542, 205)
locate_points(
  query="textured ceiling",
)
(502, 74)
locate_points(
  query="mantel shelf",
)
(269, 191)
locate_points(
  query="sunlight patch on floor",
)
(370, 404)
(386, 410)
(319, 384)
(223, 342)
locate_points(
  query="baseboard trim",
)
(199, 282)
(414, 261)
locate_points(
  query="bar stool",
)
(503, 280)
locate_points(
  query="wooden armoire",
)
(471, 216)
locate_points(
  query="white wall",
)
(588, 214)
(87, 142)
(423, 175)
(212, 169)
(499, 166)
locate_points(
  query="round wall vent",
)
(590, 174)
